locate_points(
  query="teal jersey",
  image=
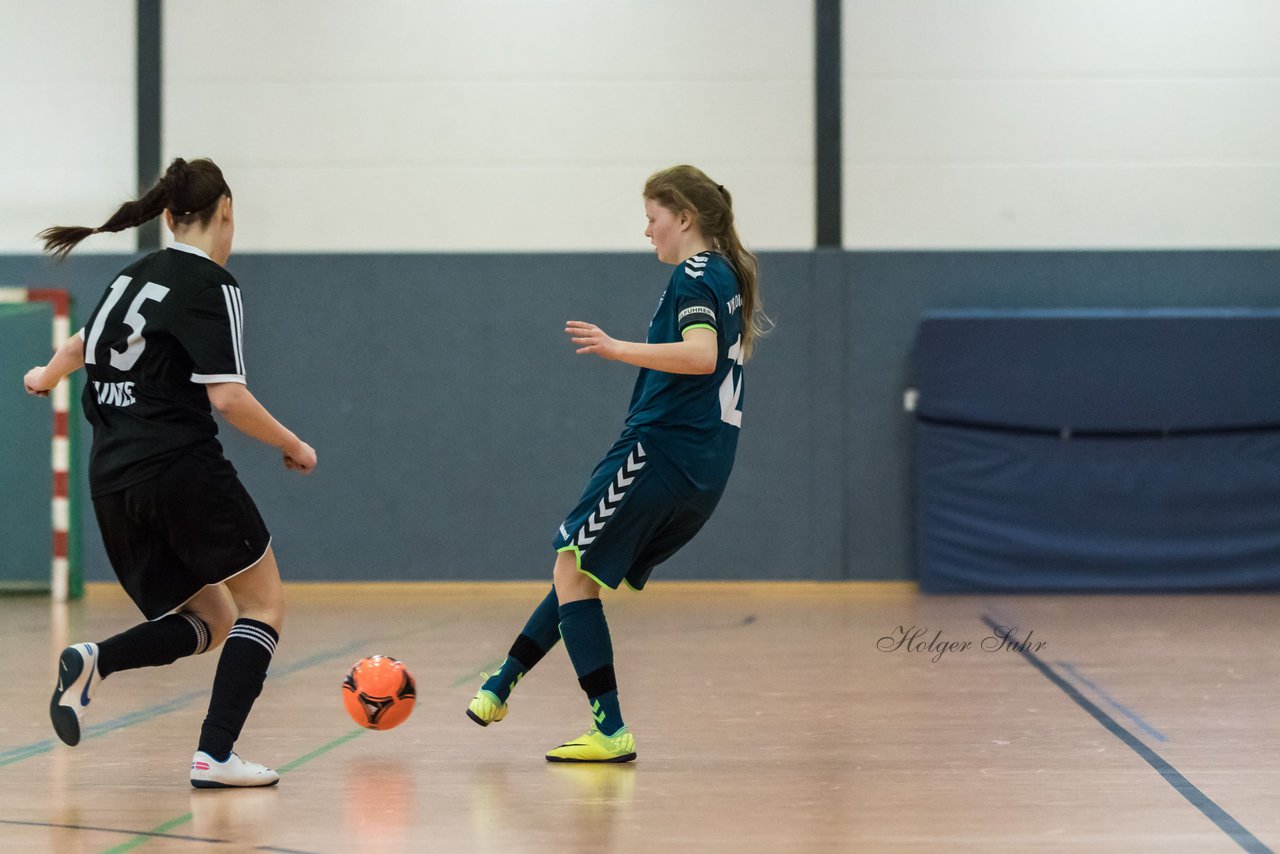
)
(692, 421)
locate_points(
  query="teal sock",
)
(586, 638)
(606, 713)
(539, 635)
(501, 682)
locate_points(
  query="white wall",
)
(497, 125)
(67, 119)
(1036, 123)
(491, 124)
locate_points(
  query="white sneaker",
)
(77, 679)
(206, 773)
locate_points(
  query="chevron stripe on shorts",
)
(612, 498)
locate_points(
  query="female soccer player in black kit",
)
(162, 349)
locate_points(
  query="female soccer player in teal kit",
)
(661, 480)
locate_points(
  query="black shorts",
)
(169, 537)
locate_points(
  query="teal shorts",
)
(629, 518)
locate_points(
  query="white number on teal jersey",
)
(731, 388)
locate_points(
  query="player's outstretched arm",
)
(696, 354)
(67, 359)
(242, 410)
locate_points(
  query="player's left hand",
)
(300, 457)
(591, 339)
(33, 382)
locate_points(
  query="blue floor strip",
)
(1171, 775)
(1124, 710)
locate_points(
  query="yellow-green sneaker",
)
(595, 746)
(486, 708)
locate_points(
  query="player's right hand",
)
(589, 338)
(300, 458)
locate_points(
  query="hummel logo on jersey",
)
(693, 267)
(613, 497)
(114, 394)
(734, 304)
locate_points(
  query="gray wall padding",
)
(455, 426)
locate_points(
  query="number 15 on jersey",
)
(123, 361)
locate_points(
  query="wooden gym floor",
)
(769, 717)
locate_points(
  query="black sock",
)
(153, 644)
(541, 632)
(242, 669)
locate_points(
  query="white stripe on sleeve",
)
(235, 292)
(231, 298)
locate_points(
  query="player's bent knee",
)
(271, 613)
(264, 603)
(218, 631)
(259, 593)
(215, 609)
(572, 584)
(565, 575)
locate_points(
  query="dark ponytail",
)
(189, 190)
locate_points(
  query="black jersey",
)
(169, 325)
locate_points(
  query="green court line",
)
(162, 829)
(89, 827)
(169, 825)
(284, 769)
(13, 755)
(17, 754)
(180, 820)
(320, 751)
(158, 829)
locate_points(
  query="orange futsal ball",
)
(379, 692)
